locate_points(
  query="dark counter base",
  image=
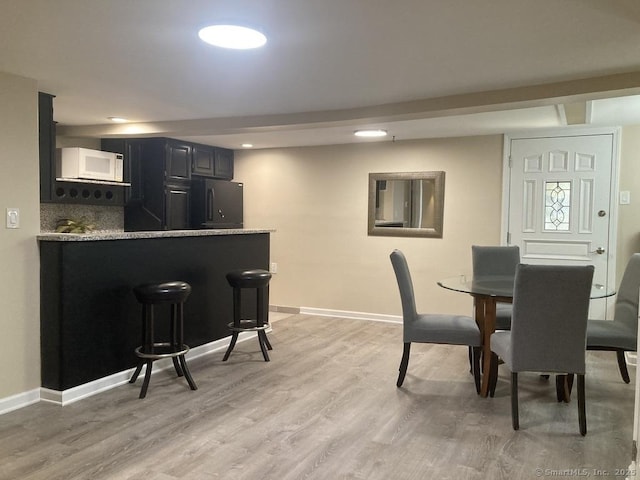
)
(90, 320)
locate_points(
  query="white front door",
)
(560, 204)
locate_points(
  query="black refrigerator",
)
(216, 204)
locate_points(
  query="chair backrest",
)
(495, 260)
(405, 285)
(549, 320)
(626, 310)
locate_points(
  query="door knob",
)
(602, 213)
(599, 250)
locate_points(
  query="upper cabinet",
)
(212, 162)
(223, 164)
(203, 161)
(177, 160)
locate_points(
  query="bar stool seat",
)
(174, 293)
(246, 279)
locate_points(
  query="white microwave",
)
(84, 163)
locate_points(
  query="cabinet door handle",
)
(209, 204)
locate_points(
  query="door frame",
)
(614, 186)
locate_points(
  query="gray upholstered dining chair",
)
(431, 328)
(620, 335)
(501, 261)
(548, 328)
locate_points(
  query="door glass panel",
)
(557, 206)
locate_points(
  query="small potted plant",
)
(69, 225)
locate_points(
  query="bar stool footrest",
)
(247, 326)
(166, 351)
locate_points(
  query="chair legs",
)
(562, 383)
(476, 354)
(622, 364)
(493, 374)
(515, 420)
(582, 413)
(404, 363)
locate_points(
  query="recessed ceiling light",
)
(232, 36)
(370, 133)
(117, 119)
(247, 145)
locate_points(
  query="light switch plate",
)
(625, 197)
(13, 218)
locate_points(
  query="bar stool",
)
(258, 279)
(174, 293)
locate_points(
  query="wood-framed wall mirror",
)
(406, 204)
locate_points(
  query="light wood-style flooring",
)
(326, 407)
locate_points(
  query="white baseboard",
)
(377, 317)
(85, 390)
(65, 397)
(14, 402)
(80, 392)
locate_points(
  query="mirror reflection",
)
(406, 204)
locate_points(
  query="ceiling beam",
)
(571, 93)
(576, 113)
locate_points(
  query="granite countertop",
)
(118, 235)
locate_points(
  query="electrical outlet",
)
(274, 267)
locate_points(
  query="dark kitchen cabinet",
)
(159, 170)
(177, 200)
(223, 164)
(203, 161)
(212, 162)
(177, 160)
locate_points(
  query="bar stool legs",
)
(261, 321)
(174, 293)
(258, 279)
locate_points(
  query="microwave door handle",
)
(209, 204)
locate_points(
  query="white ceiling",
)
(418, 68)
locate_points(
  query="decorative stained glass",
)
(557, 206)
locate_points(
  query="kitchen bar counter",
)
(90, 319)
(118, 235)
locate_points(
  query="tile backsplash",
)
(104, 218)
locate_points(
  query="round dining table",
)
(487, 291)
